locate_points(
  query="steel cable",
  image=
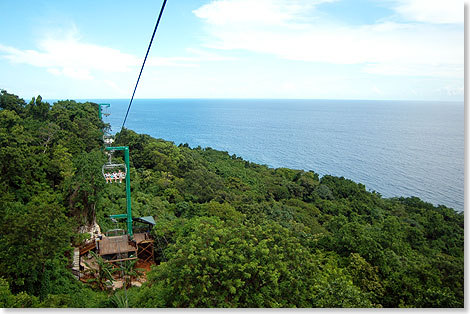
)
(143, 64)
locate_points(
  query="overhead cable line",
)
(148, 49)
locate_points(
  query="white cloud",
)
(431, 11)
(274, 12)
(384, 48)
(204, 55)
(73, 72)
(452, 90)
(70, 57)
(402, 69)
(172, 61)
(377, 90)
(196, 56)
(112, 84)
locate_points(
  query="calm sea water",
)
(393, 147)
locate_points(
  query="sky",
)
(310, 49)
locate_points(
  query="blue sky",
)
(336, 49)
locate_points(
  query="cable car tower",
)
(108, 142)
(117, 172)
(128, 184)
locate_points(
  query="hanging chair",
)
(108, 139)
(114, 173)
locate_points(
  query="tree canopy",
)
(228, 233)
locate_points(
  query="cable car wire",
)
(143, 64)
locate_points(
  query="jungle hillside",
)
(228, 233)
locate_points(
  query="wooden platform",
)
(140, 237)
(144, 247)
(115, 245)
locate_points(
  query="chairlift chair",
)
(114, 172)
(108, 139)
(115, 232)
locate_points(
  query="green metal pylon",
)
(128, 190)
(100, 114)
(127, 216)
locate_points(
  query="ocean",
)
(397, 148)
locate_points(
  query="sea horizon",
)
(396, 148)
(91, 99)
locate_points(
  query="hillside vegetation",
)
(229, 233)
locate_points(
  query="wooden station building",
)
(117, 246)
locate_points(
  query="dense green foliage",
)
(229, 233)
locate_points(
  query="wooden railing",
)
(85, 248)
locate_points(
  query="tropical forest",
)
(225, 232)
